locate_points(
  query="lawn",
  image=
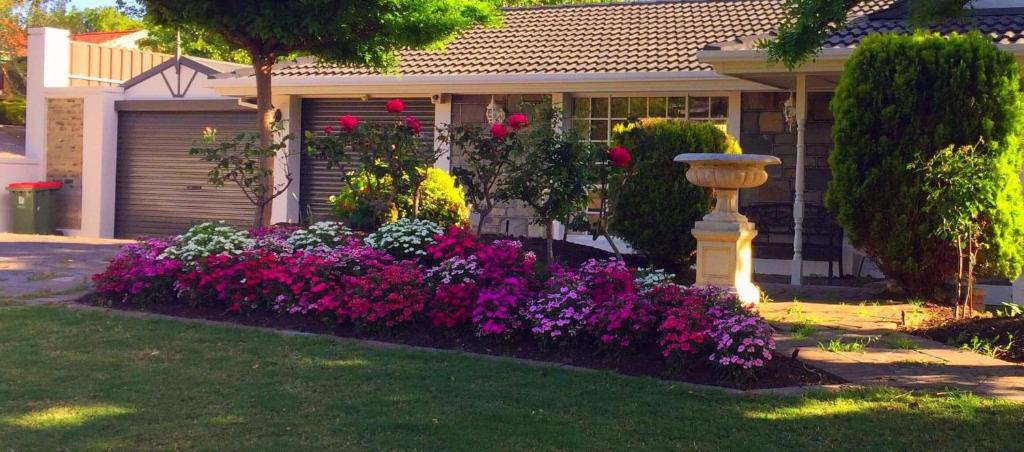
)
(94, 380)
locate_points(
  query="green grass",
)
(837, 345)
(803, 328)
(98, 381)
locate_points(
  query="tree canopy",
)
(807, 23)
(364, 33)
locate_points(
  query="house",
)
(126, 39)
(696, 60)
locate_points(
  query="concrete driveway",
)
(35, 268)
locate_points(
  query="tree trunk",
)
(263, 64)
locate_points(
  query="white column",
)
(49, 63)
(561, 101)
(734, 124)
(99, 163)
(285, 208)
(442, 118)
(796, 274)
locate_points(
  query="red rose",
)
(499, 131)
(620, 157)
(517, 121)
(413, 124)
(348, 122)
(328, 130)
(395, 106)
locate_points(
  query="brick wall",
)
(764, 132)
(511, 218)
(64, 158)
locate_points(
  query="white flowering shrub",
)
(328, 234)
(405, 238)
(647, 278)
(207, 239)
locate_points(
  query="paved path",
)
(47, 267)
(888, 357)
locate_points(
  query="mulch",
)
(944, 328)
(780, 372)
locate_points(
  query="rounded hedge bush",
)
(656, 206)
(901, 100)
(442, 201)
(12, 111)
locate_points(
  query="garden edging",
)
(783, 391)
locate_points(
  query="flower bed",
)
(451, 290)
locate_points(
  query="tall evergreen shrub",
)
(900, 101)
(655, 207)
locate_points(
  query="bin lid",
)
(41, 185)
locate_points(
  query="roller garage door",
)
(161, 189)
(317, 183)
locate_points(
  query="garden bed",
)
(993, 334)
(778, 373)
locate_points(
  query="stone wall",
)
(764, 132)
(64, 158)
(511, 218)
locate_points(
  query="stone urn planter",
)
(724, 236)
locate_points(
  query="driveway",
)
(12, 139)
(34, 268)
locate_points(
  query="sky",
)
(82, 4)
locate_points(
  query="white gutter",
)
(482, 83)
(830, 56)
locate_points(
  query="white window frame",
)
(724, 120)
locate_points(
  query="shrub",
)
(654, 205)
(138, 275)
(685, 325)
(12, 111)
(405, 238)
(742, 341)
(207, 239)
(325, 233)
(561, 309)
(900, 101)
(383, 297)
(505, 276)
(441, 200)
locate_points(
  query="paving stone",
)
(931, 366)
(42, 267)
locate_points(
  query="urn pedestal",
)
(724, 237)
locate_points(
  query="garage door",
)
(317, 183)
(161, 189)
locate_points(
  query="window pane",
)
(677, 107)
(599, 107)
(638, 106)
(620, 107)
(719, 107)
(582, 126)
(700, 107)
(657, 107)
(599, 130)
(581, 107)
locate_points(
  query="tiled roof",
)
(100, 37)
(624, 37)
(1003, 28)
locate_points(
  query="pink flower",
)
(517, 121)
(328, 130)
(620, 157)
(395, 106)
(348, 123)
(499, 131)
(413, 124)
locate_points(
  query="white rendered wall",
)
(285, 208)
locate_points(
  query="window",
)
(600, 115)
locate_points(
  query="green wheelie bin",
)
(33, 207)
